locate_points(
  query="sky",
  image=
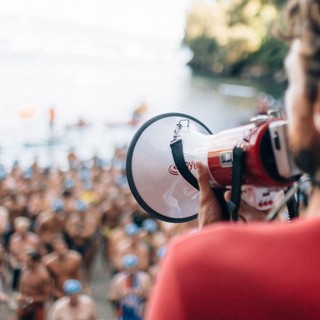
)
(145, 17)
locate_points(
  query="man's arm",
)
(77, 270)
(47, 260)
(12, 258)
(113, 294)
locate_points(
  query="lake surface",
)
(92, 73)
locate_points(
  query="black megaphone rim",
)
(129, 172)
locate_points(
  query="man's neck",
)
(73, 302)
(23, 235)
(61, 256)
(32, 267)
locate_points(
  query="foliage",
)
(230, 37)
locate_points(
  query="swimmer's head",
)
(57, 205)
(21, 224)
(131, 229)
(129, 261)
(72, 286)
(149, 225)
(59, 246)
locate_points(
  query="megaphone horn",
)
(153, 176)
(252, 159)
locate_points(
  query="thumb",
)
(209, 209)
(203, 179)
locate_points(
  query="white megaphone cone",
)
(152, 174)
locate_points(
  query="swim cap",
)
(57, 205)
(81, 205)
(72, 286)
(131, 229)
(68, 183)
(149, 225)
(130, 261)
(27, 173)
(161, 252)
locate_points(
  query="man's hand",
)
(209, 207)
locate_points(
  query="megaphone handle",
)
(219, 193)
(237, 168)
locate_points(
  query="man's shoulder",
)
(59, 306)
(230, 229)
(144, 276)
(119, 277)
(217, 232)
(43, 271)
(32, 236)
(85, 299)
(52, 258)
(60, 303)
(74, 255)
(49, 258)
(223, 237)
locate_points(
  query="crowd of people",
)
(53, 225)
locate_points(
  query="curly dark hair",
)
(302, 21)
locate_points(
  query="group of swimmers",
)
(54, 223)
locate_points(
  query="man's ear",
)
(316, 111)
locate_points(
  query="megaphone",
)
(161, 159)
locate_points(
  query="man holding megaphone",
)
(245, 271)
(253, 161)
(210, 210)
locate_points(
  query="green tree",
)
(229, 37)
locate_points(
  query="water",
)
(99, 75)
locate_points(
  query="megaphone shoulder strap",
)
(180, 162)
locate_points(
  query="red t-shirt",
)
(232, 271)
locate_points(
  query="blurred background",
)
(83, 75)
